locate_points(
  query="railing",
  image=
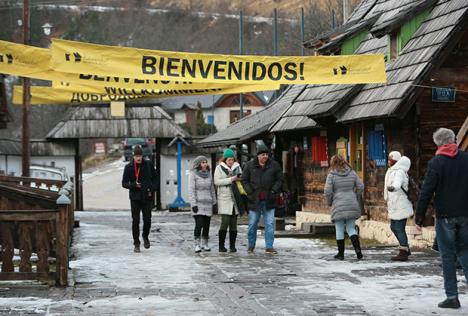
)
(37, 224)
(46, 184)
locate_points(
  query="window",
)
(235, 115)
(210, 119)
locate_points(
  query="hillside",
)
(184, 25)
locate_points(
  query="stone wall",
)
(371, 229)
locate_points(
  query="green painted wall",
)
(408, 29)
(350, 45)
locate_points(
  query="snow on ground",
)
(170, 279)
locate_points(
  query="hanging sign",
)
(33, 62)
(101, 60)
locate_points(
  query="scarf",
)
(202, 173)
(449, 150)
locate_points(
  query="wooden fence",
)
(37, 223)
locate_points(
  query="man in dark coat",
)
(140, 179)
(262, 179)
(446, 181)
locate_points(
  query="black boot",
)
(222, 238)
(357, 246)
(450, 303)
(232, 241)
(340, 254)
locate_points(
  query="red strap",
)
(137, 170)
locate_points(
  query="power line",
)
(430, 87)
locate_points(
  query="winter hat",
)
(395, 155)
(262, 149)
(197, 161)
(137, 151)
(228, 153)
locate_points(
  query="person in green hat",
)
(226, 174)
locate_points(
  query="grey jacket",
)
(201, 194)
(340, 192)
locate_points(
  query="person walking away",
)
(446, 182)
(202, 198)
(141, 179)
(227, 173)
(341, 189)
(399, 206)
(262, 179)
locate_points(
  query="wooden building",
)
(426, 56)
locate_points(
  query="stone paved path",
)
(169, 279)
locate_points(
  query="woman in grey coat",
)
(202, 198)
(341, 189)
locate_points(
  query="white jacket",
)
(223, 182)
(398, 204)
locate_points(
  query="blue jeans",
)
(452, 238)
(268, 218)
(398, 229)
(340, 225)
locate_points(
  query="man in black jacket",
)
(140, 179)
(262, 179)
(447, 181)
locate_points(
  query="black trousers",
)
(202, 222)
(145, 208)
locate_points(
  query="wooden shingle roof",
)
(357, 102)
(255, 124)
(419, 56)
(97, 122)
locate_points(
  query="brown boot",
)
(402, 255)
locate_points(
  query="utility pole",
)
(345, 11)
(275, 32)
(26, 96)
(241, 52)
(302, 31)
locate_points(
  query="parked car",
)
(49, 173)
(130, 143)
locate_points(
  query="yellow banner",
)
(89, 95)
(33, 62)
(78, 57)
(111, 90)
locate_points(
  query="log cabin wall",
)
(315, 175)
(433, 115)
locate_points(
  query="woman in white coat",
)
(399, 206)
(227, 172)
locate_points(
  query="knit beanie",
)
(197, 161)
(262, 149)
(228, 153)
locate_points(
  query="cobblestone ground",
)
(170, 279)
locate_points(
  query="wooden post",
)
(78, 177)
(62, 229)
(158, 171)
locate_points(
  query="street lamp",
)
(47, 28)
